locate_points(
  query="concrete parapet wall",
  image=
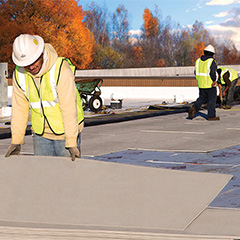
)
(143, 72)
(140, 72)
(164, 83)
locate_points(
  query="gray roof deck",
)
(184, 173)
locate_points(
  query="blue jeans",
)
(47, 147)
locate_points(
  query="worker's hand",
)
(214, 84)
(224, 93)
(74, 152)
(13, 149)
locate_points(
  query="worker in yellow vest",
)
(227, 81)
(206, 75)
(45, 83)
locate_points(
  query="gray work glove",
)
(13, 149)
(74, 152)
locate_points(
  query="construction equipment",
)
(89, 90)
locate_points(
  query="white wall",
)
(163, 93)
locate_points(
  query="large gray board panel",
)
(54, 190)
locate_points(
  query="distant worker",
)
(227, 79)
(45, 83)
(206, 75)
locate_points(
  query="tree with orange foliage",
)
(137, 52)
(59, 22)
(197, 51)
(161, 63)
(150, 24)
(137, 56)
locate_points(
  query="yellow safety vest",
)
(44, 103)
(202, 71)
(233, 74)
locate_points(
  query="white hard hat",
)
(210, 48)
(27, 49)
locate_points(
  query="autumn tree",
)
(59, 22)
(199, 33)
(160, 63)
(150, 24)
(161, 43)
(200, 38)
(13, 22)
(97, 21)
(149, 42)
(120, 28)
(120, 24)
(95, 38)
(167, 43)
(106, 58)
(197, 51)
(137, 52)
(137, 56)
(230, 55)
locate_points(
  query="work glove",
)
(13, 149)
(74, 152)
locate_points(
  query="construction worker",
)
(45, 83)
(205, 71)
(227, 80)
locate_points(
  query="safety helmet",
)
(210, 48)
(27, 49)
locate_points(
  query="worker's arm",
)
(213, 71)
(20, 114)
(220, 91)
(226, 77)
(19, 119)
(66, 90)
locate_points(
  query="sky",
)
(220, 17)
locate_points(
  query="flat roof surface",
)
(168, 143)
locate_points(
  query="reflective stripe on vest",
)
(233, 74)
(44, 103)
(23, 79)
(202, 71)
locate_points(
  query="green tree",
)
(106, 58)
